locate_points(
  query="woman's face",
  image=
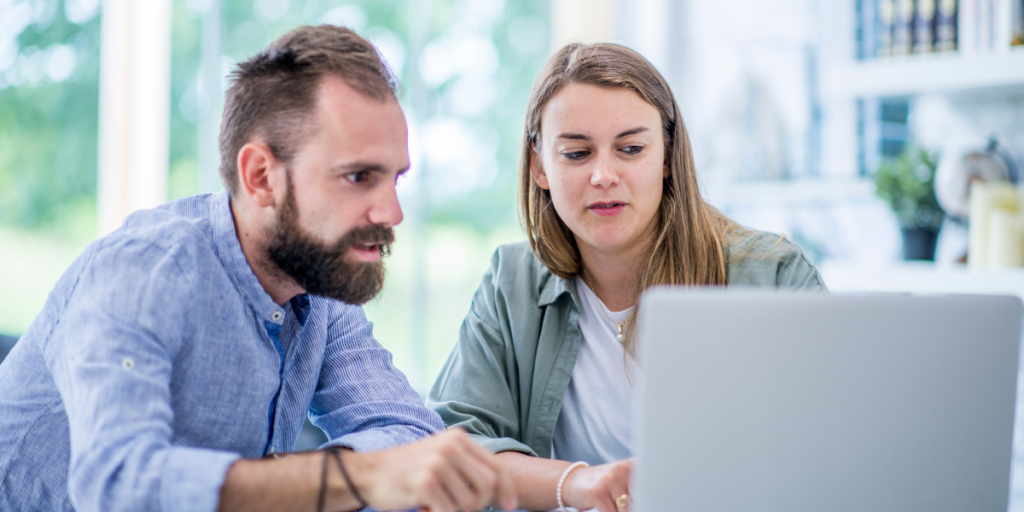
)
(602, 157)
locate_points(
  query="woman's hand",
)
(598, 486)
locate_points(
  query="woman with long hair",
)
(545, 362)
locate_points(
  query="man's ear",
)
(255, 161)
(536, 171)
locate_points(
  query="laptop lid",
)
(751, 401)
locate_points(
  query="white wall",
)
(135, 88)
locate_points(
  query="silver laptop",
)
(757, 401)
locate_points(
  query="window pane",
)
(49, 90)
(466, 69)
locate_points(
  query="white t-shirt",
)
(595, 424)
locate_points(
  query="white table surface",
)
(922, 277)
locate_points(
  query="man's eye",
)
(576, 155)
(358, 177)
(633, 150)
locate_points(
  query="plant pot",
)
(919, 243)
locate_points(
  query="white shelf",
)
(927, 278)
(794, 193)
(928, 73)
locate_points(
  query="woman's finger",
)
(603, 502)
(616, 489)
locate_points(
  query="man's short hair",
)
(272, 94)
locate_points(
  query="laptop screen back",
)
(757, 401)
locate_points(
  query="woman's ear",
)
(536, 171)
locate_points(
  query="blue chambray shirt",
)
(159, 359)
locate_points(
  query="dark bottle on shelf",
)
(925, 17)
(903, 28)
(946, 33)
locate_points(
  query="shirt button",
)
(277, 316)
(127, 363)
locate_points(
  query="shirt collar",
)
(300, 306)
(553, 288)
(231, 256)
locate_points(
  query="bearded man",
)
(174, 362)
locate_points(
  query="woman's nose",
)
(603, 174)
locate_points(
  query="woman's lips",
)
(607, 209)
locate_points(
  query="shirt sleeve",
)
(111, 357)
(796, 272)
(764, 259)
(474, 390)
(362, 401)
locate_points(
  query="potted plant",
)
(907, 183)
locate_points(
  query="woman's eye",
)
(576, 155)
(358, 177)
(633, 150)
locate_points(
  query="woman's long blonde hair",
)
(688, 249)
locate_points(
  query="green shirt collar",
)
(553, 289)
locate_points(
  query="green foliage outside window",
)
(517, 32)
(49, 101)
(49, 97)
(478, 60)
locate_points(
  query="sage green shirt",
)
(505, 379)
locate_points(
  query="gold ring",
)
(622, 501)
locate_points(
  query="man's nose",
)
(385, 209)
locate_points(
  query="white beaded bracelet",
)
(558, 492)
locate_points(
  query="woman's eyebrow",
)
(580, 136)
(632, 131)
(573, 136)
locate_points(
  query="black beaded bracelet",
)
(336, 452)
(323, 486)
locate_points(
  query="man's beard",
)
(321, 269)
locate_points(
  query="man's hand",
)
(447, 472)
(598, 486)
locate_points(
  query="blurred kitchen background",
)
(834, 122)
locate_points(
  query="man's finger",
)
(505, 490)
(481, 477)
(478, 451)
(455, 485)
(436, 499)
